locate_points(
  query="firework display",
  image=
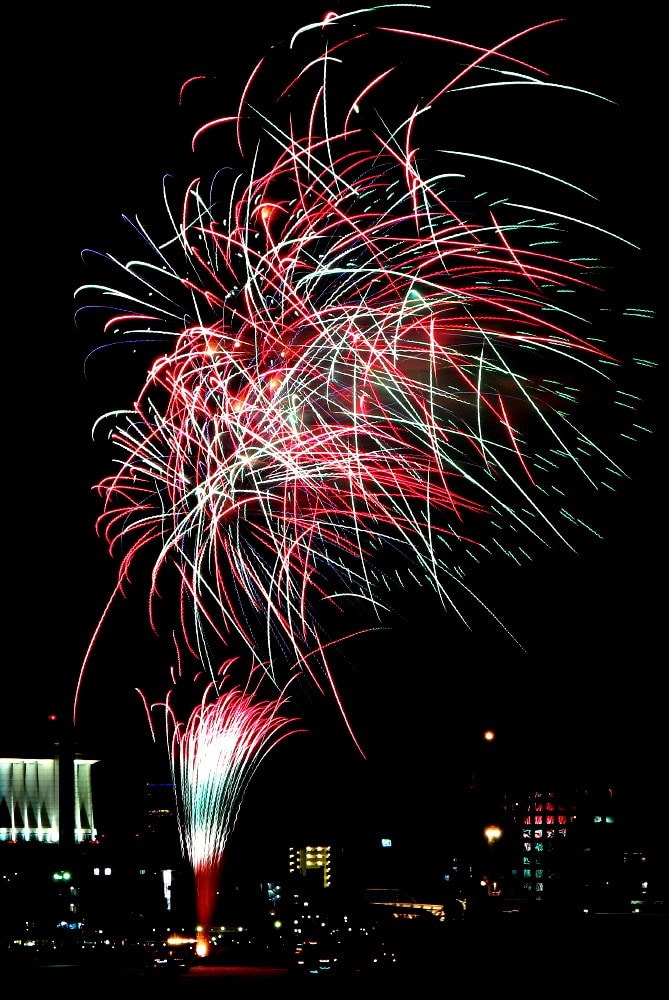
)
(379, 356)
(367, 371)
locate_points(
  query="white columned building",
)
(31, 795)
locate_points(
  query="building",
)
(557, 838)
(47, 800)
(160, 820)
(60, 875)
(312, 861)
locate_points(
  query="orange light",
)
(202, 945)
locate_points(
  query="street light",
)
(492, 834)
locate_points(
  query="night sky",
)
(95, 128)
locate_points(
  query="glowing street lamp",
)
(492, 834)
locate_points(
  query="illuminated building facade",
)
(38, 804)
(544, 820)
(305, 860)
(564, 844)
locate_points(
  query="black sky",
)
(96, 127)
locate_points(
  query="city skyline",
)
(583, 691)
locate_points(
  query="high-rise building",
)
(542, 821)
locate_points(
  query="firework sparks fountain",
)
(214, 756)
